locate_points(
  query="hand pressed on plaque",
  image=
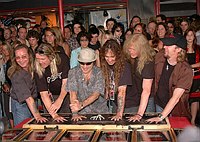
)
(59, 118)
(136, 117)
(117, 117)
(154, 120)
(77, 117)
(41, 119)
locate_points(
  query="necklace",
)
(167, 67)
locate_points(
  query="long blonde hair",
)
(141, 45)
(47, 49)
(15, 67)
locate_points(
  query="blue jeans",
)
(158, 108)
(150, 105)
(20, 111)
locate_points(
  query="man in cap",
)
(86, 86)
(173, 79)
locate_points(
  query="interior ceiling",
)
(88, 5)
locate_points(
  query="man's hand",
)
(75, 106)
(55, 106)
(77, 117)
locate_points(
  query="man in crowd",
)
(173, 79)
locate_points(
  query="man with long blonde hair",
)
(141, 56)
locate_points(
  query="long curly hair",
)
(141, 45)
(118, 67)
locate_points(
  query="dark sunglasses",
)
(89, 63)
(118, 30)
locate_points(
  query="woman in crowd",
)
(83, 40)
(128, 33)
(76, 28)
(50, 37)
(161, 32)
(60, 40)
(117, 74)
(118, 33)
(7, 51)
(23, 90)
(86, 86)
(193, 53)
(106, 36)
(51, 77)
(184, 25)
(142, 58)
(140, 28)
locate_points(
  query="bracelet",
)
(139, 115)
(161, 116)
(74, 113)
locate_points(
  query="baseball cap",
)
(175, 39)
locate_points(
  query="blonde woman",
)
(140, 93)
(51, 77)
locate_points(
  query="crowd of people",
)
(153, 67)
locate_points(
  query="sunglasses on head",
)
(89, 63)
(39, 51)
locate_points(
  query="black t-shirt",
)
(162, 94)
(133, 92)
(53, 84)
(95, 47)
(125, 78)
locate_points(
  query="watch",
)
(160, 116)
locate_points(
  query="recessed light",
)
(121, 5)
(98, 7)
(30, 12)
(53, 10)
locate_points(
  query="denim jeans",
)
(20, 111)
(150, 105)
(158, 108)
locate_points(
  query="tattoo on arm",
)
(35, 110)
(120, 103)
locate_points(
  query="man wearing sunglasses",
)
(86, 86)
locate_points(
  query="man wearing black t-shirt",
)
(173, 79)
